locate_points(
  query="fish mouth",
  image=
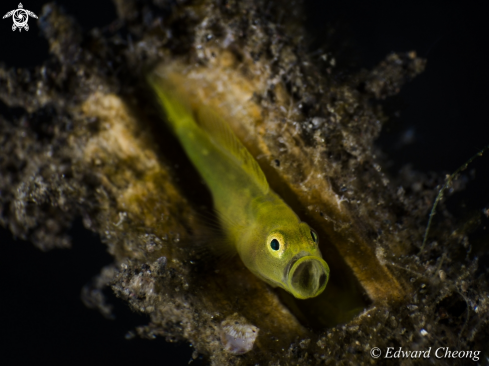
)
(307, 277)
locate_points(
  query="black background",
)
(444, 108)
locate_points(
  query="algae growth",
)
(90, 143)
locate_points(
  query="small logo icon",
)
(20, 17)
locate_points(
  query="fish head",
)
(286, 254)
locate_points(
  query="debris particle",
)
(237, 335)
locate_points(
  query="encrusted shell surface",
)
(83, 139)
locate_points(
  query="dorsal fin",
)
(222, 135)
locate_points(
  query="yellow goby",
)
(269, 237)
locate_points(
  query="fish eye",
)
(274, 244)
(314, 236)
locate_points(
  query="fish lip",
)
(292, 268)
(291, 263)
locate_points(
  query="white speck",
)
(317, 122)
(423, 332)
(442, 275)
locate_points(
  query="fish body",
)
(269, 237)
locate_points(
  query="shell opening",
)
(308, 277)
